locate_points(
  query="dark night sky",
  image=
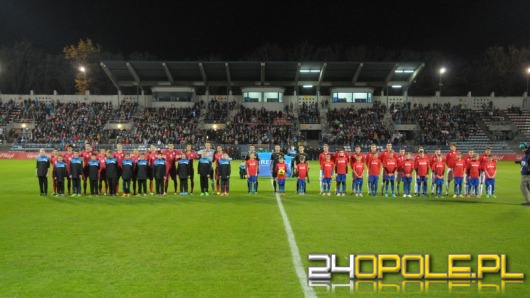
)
(177, 30)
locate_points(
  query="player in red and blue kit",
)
(302, 170)
(438, 169)
(191, 156)
(407, 167)
(86, 156)
(450, 158)
(171, 156)
(119, 155)
(341, 170)
(326, 168)
(459, 170)
(390, 166)
(422, 171)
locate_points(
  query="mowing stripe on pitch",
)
(297, 261)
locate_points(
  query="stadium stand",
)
(309, 113)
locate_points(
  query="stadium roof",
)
(245, 74)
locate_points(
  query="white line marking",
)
(297, 261)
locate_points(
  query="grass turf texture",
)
(236, 245)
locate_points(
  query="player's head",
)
(188, 147)
(207, 146)
(93, 156)
(325, 147)
(421, 152)
(523, 147)
(292, 147)
(119, 147)
(159, 154)
(280, 159)
(141, 156)
(252, 148)
(475, 156)
(225, 155)
(55, 152)
(438, 151)
(408, 155)
(88, 147)
(471, 152)
(402, 151)
(42, 152)
(388, 146)
(170, 146)
(391, 153)
(60, 158)
(490, 157)
(69, 148)
(76, 153)
(183, 155)
(302, 159)
(487, 150)
(341, 152)
(219, 149)
(136, 151)
(252, 156)
(459, 155)
(373, 148)
(127, 154)
(452, 146)
(109, 153)
(277, 148)
(153, 148)
(357, 149)
(102, 151)
(301, 148)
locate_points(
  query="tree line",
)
(499, 69)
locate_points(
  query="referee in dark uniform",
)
(275, 159)
(41, 171)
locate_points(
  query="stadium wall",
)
(147, 100)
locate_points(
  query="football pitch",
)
(247, 245)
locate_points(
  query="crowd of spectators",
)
(217, 111)
(442, 123)
(401, 113)
(163, 125)
(309, 113)
(358, 126)
(253, 126)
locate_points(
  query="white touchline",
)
(297, 261)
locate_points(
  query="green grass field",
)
(237, 246)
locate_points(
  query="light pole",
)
(527, 74)
(442, 71)
(83, 70)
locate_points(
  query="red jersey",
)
(433, 160)
(67, 158)
(438, 168)
(281, 166)
(490, 167)
(171, 156)
(358, 169)
(450, 158)
(370, 156)
(302, 169)
(217, 157)
(191, 155)
(341, 165)
(459, 168)
(252, 167)
(86, 156)
(327, 169)
(374, 168)
(422, 166)
(474, 169)
(483, 159)
(357, 157)
(53, 161)
(390, 165)
(120, 156)
(407, 166)
(102, 164)
(134, 158)
(322, 158)
(400, 159)
(151, 157)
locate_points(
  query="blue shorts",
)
(459, 180)
(422, 179)
(438, 181)
(252, 179)
(473, 181)
(326, 180)
(373, 179)
(358, 181)
(406, 179)
(390, 178)
(341, 178)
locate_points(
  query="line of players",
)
(104, 169)
(469, 173)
